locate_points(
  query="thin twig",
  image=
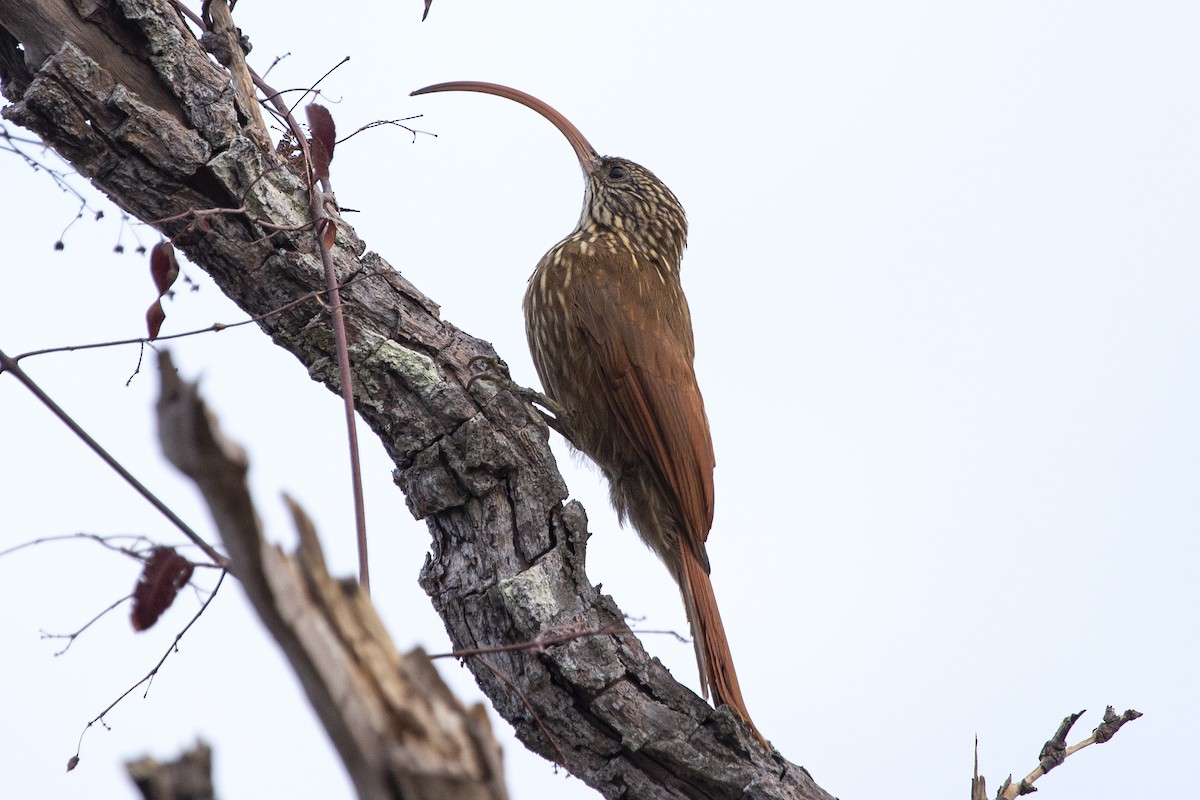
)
(313, 87)
(399, 123)
(1055, 751)
(536, 645)
(542, 641)
(507, 681)
(276, 62)
(317, 205)
(103, 541)
(198, 214)
(8, 137)
(149, 676)
(8, 142)
(9, 365)
(216, 327)
(71, 637)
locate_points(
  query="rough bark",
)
(156, 127)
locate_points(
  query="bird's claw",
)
(496, 371)
(536, 398)
(559, 418)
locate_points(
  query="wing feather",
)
(653, 393)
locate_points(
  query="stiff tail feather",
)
(713, 657)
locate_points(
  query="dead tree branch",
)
(1054, 752)
(397, 727)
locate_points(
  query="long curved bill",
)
(588, 157)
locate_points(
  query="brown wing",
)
(645, 347)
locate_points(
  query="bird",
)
(610, 333)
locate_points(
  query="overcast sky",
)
(944, 271)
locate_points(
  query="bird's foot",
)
(496, 371)
(559, 418)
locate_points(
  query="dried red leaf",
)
(428, 3)
(320, 160)
(155, 316)
(163, 266)
(165, 573)
(164, 269)
(328, 231)
(324, 137)
(72, 762)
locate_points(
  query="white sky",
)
(944, 277)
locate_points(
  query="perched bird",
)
(611, 337)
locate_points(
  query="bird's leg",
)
(559, 418)
(496, 371)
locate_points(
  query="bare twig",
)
(8, 364)
(539, 643)
(119, 247)
(198, 215)
(275, 62)
(1055, 751)
(399, 123)
(58, 245)
(147, 679)
(512, 687)
(103, 541)
(216, 327)
(71, 637)
(313, 87)
(10, 143)
(11, 140)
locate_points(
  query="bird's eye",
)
(618, 173)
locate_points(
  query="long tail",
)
(713, 656)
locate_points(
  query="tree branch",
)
(1056, 750)
(398, 728)
(507, 556)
